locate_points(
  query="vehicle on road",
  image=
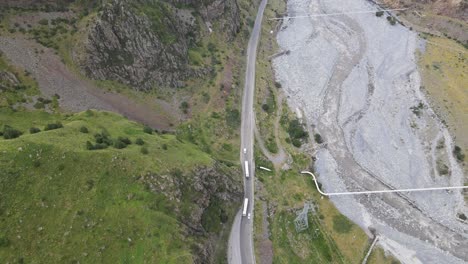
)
(245, 151)
(246, 204)
(248, 216)
(246, 167)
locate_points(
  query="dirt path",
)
(76, 94)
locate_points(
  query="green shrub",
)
(53, 126)
(148, 130)
(457, 152)
(184, 106)
(318, 138)
(144, 150)
(10, 133)
(296, 130)
(139, 141)
(84, 129)
(44, 22)
(125, 140)
(39, 105)
(34, 130)
(103, 138)
(296, 142)
(4, 241)
(118, 144)
(164, 146)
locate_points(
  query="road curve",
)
(241, 247)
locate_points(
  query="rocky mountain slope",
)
(146, 43)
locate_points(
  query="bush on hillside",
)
(119, 144)
(53, 126)
(148, 130)
(84, 129)
(10, 133)
(139, 141)
(125, 140)
(34, 130)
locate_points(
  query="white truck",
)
(246, 168)
(246, 204)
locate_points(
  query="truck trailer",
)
(246, 167)
(246, 204)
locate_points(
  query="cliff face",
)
(145, 43)
(202, 199)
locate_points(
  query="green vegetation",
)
(297, 132)
(10, 133)
(391, 20)
(341, 224)
(318, 138)
(139, 141)
(161, 17)
(457, 152)
(34, 130)
(13, 94)
(62, 203)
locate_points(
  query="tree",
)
(84, 129)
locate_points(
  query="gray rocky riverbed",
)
(356, 80)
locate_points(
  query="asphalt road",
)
(241, 247)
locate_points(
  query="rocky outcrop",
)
(7, 80)
(193, 195)
(145, 43)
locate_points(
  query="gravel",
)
(355, 78)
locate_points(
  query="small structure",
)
(302, 221)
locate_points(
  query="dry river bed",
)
(356, 80)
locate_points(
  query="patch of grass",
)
(341, 224)
(446, 85)
(379, 256)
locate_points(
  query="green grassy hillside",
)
(63, 203)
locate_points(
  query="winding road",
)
(241, 247)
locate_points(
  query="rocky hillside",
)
(146, 43)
